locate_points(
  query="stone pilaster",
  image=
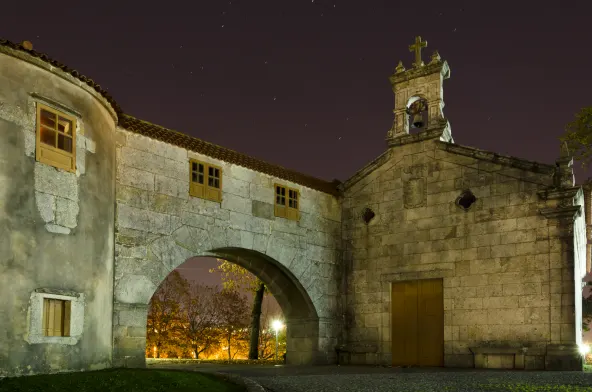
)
(561, 211)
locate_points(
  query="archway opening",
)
(299, 315)
(213, 310)
(417, 114)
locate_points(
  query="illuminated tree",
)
(578, 136)
(235, 277)
(200, 317)
(232, 316)
(587, 311)
(164, 324)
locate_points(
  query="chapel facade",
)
(433, 254)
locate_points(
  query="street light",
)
(277, 325)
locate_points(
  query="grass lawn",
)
(127, 380)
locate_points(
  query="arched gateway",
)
(133, 292)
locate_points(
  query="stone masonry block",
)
(66, 212)
(56, 182)
(135, 178)
(171, 186)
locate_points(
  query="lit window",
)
(56, 138)
(205, 181)
(287, 202)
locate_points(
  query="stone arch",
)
(415, 100)
(136, 280)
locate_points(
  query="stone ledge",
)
(481, 352)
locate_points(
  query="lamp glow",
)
(584, 349)
(276, 325)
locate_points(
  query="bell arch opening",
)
(417, 113)
(301, 319)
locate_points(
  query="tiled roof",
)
(179, 139)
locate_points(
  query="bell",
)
(417, 121)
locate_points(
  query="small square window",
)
(56, 317)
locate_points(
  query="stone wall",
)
(508, 271)
(56, 227)
(159, 226)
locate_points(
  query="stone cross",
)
(417, 49)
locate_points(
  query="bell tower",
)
(419, 99)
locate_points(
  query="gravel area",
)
(448, 381)
(387, 379)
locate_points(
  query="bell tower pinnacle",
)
(419, 96)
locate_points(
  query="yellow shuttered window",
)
(205, 181)
(56, 138)
(56, 317)
(287, 202)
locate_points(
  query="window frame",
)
(204, 190)
(284, 210)
(40, 147)
(35, 333)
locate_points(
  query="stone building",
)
(432, 254)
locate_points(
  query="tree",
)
(164, 321)
(232, 308)
(200, 318)
(578, 136)
(235, 277)
(587, 311)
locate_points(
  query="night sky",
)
(304, 84)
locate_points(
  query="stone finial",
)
(435, 57)
(400, 68)
(564, 151)
(27, 45)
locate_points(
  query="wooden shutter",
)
(214, 193)
(55, 157)
(293, 213)
(195, 188)
(58, 320)
(67, 313)
(280, 209)
(45, 327)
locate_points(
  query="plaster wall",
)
(508, 271)
(56, 227)
(159, 226)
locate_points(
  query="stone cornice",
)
(416, 137)
(564, 212)
(506, 160)
(558, 193)
(417, 72)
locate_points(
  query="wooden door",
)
(417, 323)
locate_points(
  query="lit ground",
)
(382, 379)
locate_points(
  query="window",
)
(56, 317)
(205, 181)
(56, 138)
(286, 202)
